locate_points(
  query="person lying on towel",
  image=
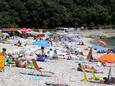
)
(21, 62)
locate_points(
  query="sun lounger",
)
(94, 76)
(38, 68)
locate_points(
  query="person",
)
(4, 51)
(40, 57)
(55, 55)
(113, 50)
(76, 53)
(21, 62)
(85, 67)
(42, 49)
(50, 41)
(50, 54)
(9, 58)
(105, 80)
(79, 67)
(69, 57)
(109, 51)
(18, 44)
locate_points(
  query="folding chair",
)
(38, 68)
(86, 78)
(94, 76)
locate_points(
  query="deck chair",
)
(38, 68)
(86, 78)
(36, 65)
(94, 76)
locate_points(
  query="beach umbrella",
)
(107, 58)
(5, 34)
(98, 47)
(102, 43)
(41, 35)
(48, 33)
(25, 30)
(33, 33)
(110, 58)
(42, 43)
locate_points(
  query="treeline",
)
(56, 13)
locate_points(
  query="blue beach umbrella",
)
(48, 33)
(43, 43)
(98, 47)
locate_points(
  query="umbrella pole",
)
(109, 76)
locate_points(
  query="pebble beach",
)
(65, 71)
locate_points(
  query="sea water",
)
(110, 41)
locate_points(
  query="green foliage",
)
(56, 13)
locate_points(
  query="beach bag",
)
(41, 58)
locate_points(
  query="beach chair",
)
(86, 78)
(94, 76)
(38, 67)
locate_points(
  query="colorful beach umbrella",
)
(110, 58)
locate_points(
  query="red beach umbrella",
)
(25, 30)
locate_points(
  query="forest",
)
(56, 13)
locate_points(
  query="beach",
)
(65, 71)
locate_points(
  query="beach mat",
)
(32, 74)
